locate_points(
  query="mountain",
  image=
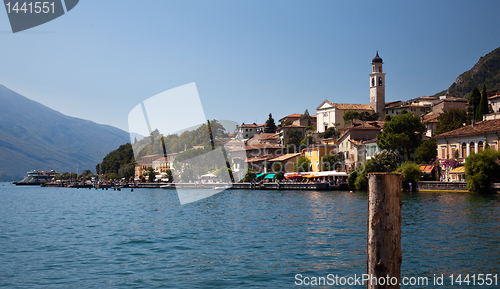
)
(33, 136)
(485, 71)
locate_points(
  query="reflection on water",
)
(67, 238)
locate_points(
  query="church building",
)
(332, 114)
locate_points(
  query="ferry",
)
(36, 178)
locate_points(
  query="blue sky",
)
(247, 58)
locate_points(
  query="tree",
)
(350, 116)
(117, 160)
(361, 182)
(451, 119)
(293, 142)
(482, 108)
(480, 169)
(385, 161)
(151, 175)
(387, 117)
(328, 162)
(249, 176)
(427, 151)
(170, 175)
(270, 125)
(367, 116)
(329, 132)
(302, 165)
(410, 172)
(305, 115)
(223, 174)
(307, 141)
(402, 133)
(215, 130)
(473, 102)
(112, 176)
(352, 179)
(278, 167)
(187, 175)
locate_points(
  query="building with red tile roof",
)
(469, 139)
(332, 114)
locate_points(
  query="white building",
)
(332, 114)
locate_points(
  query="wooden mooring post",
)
(384, 230)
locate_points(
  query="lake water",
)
(81, 238)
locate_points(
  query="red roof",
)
(252, 125)
(482, 127)
(296, 116)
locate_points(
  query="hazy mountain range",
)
(33, 136)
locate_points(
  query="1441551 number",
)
(30, 7)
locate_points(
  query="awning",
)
(259, 175)
(458, 170)
(316, 174)
(270, 176)
(426, 169)
(310, 176)
(332, 173)
(209, 176)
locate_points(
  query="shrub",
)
(250, 175)
(361, 182)
(410, 172)
(385, 161)
(351, 179)
(480, 169)
(302, 164)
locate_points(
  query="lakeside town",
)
(427, 139)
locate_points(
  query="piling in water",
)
(384, 230)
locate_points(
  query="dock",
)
(210, 186)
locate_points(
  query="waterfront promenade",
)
(423, 186)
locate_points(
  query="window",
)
(480, 146)
(472, 148)
(464, 150)
(380, 81)
(493, 146)
(443, 152)
(373, 81)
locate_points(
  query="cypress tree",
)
(270, 125)
(473, 102)
(483, 105)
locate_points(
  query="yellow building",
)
(316, 152)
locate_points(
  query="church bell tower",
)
(377, 87)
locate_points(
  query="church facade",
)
(332, 114)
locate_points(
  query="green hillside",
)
(485, 71)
